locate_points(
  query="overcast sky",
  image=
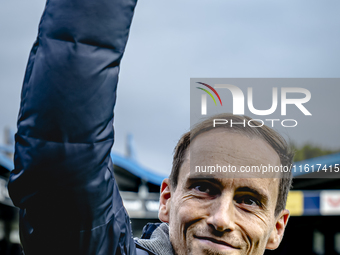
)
(173, 41)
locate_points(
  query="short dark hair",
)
(274, 139)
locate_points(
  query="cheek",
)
(254, 227)
(185, 213)
(183, 216)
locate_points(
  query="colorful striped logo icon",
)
(212, 89)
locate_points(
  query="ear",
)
(279, 228)
(164, 201)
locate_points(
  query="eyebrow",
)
(216, 181)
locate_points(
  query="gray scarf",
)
(159, 242)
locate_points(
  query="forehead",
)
(223, 148)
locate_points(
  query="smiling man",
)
(226, 213)
(63, 180)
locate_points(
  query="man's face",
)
(224, 215)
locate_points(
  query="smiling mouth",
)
(216, 243)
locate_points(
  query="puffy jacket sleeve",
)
(63, 177)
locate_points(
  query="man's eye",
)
(206, 188)
(248, 200)
(202, 188)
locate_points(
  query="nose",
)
(222, 215)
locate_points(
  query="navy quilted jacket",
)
(63, 180)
